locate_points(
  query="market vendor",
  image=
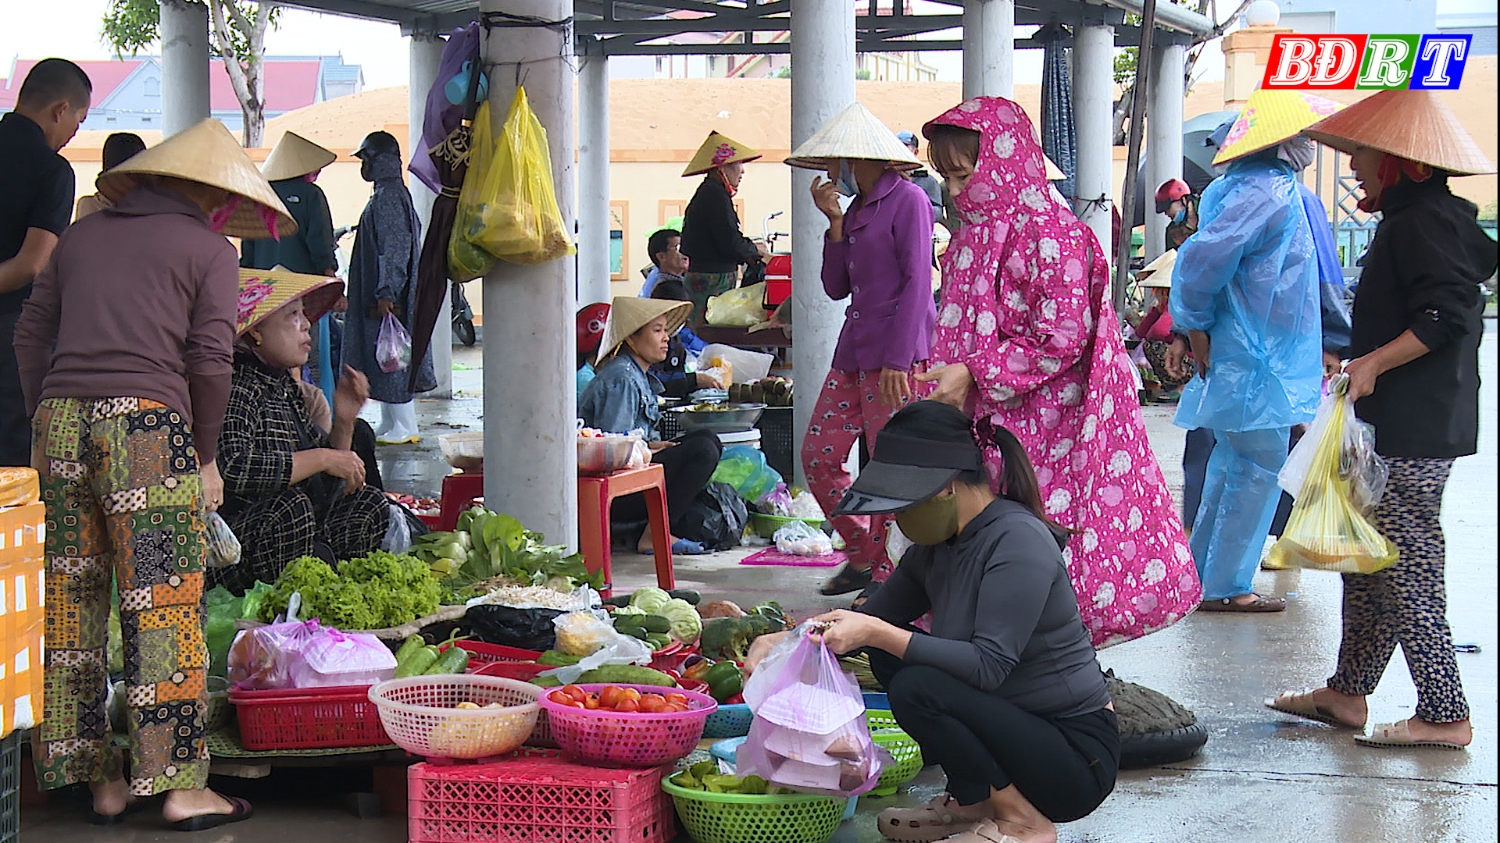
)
(878, 257)
(711, 237)
(1006, 692)
(673, 372)
(623, 397)
(290, 490)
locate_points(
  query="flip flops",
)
(984, 832)
(846, 580)
(1260, 605)
(1398, 734)
(203, 822)
(1300, 704)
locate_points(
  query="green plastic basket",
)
(766, 526)
(907, 754)
(732, 818)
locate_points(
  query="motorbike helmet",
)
(590, 327)
(1170, 191)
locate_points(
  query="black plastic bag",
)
(716, 518)
(529, 629)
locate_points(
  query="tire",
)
(464, 330)
(1153, 749)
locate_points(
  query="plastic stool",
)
(594, 497)
(459, 490)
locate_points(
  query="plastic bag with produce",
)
(619, 649)
(801, 540)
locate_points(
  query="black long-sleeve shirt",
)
(711, 235)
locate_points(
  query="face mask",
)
(847, 184)
(1298, 152)
(932, 521)
(1180, 217)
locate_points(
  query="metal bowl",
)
(733, 419)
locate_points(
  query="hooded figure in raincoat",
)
(1246, 291)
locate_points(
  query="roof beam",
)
(356, 9)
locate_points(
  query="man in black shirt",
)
(36, 204)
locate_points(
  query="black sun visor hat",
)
(906, 470)
(376, 143)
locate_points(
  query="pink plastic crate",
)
(539, 799)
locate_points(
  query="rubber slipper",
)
(93, 817)
(1398, 734)
(1260, 606)
(1300, 704)
(684, 547)
(203, 822)
(939, 819)
(984, 832)
(846, 580)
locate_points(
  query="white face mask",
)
(1298, 152)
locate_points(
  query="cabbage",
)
(650, 599)
(686, 625)
(631, 610)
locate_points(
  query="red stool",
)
(594, 497)
(459, 490)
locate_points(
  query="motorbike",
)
(463, 315)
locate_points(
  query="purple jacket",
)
(884, 266)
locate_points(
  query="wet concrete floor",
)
(1262, 778)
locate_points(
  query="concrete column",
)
(822, 86)
(1163, 135)
(425, 53)
(1093, 105)
(530, 459)
(593, 180)
(989, 48)
(184, 65)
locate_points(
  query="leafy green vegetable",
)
(650, 599)
(375, 591)
(502, 546)
(686, 624)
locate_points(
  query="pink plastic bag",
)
(809, 731)
(307, 655)
(393, 345)
(258, 657)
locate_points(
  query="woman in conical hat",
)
(125, 356)
(622, 398)
(711, 235)
(878, 254)
(1414, 376)
(291, 168)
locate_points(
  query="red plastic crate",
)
(308, 718)
(500, 660)
(539, 799)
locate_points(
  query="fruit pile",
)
(619, 700)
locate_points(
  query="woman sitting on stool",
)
(622, 397)
(1008, 698)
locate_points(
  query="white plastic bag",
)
(621, 649)
(393, 345)
(745, 366)
(397, 531)
(801, 540)
(223, 547)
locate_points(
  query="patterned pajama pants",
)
(1406, 603)
(848, 407)
(120, 482)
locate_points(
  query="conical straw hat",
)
(716, 151)
(1270, 117)
(208, 154)
(265, 291)
(853, 133)
(1415, 125)
(294, 157)
(1158, 273)
(628, 315)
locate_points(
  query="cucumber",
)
(691, 596)
(655, 623)
(627, 674)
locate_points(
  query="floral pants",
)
(1406, 603)
(120, 482)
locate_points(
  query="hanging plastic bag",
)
(742, 307)
(1358, 462)
(798, 539)
(392, 345)
(1327, 530)
(397, 531)
(519, 218)
(466, 260)
(223, 547)
(809, 732)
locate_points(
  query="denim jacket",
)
(622, 398)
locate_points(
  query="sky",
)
(70, 28)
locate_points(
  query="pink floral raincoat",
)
(1025, 306)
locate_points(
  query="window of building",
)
(151, 86)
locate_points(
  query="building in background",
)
(127, 91)
(1481, 25)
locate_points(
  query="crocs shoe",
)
(941, 817)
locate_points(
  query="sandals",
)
(1259, 606)
(241, 810)
(93, 817)
(846, 580)
(1300, 704)
(940, 818)
(983, 832)
(1398, 734)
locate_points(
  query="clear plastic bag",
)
(808, 732)
(392, 345)
(776, 502)
(223, 547)
(1357, 460)
(519, 220)
(621, 649)
(799, 539)
(583, 633)
(397, 531)
(330, 658)
(742, 307)
(259, 658)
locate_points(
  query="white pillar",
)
(1163, 136)
(593, 180)
(989, 48)
(1093, 126)
(184, 65)
(425, 53)
(822, 86)
(530, 402)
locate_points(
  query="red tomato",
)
(677, 698)
(575, 692)
(610, 697)
(675, 707)
(652, 703)
(560, 698)
(628, 705)
(630, 694)
(591, 702)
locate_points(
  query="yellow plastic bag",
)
(467, 261)
(1326, 530)
(519, 218)
(739, 308)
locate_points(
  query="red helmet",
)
(590, 326)
(1170, 191)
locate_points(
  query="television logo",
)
(1367, 62)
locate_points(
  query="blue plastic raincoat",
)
(1249, 277)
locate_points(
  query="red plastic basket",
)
(500, 660)
(528, 799)
(622, 739)
(308, 718)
